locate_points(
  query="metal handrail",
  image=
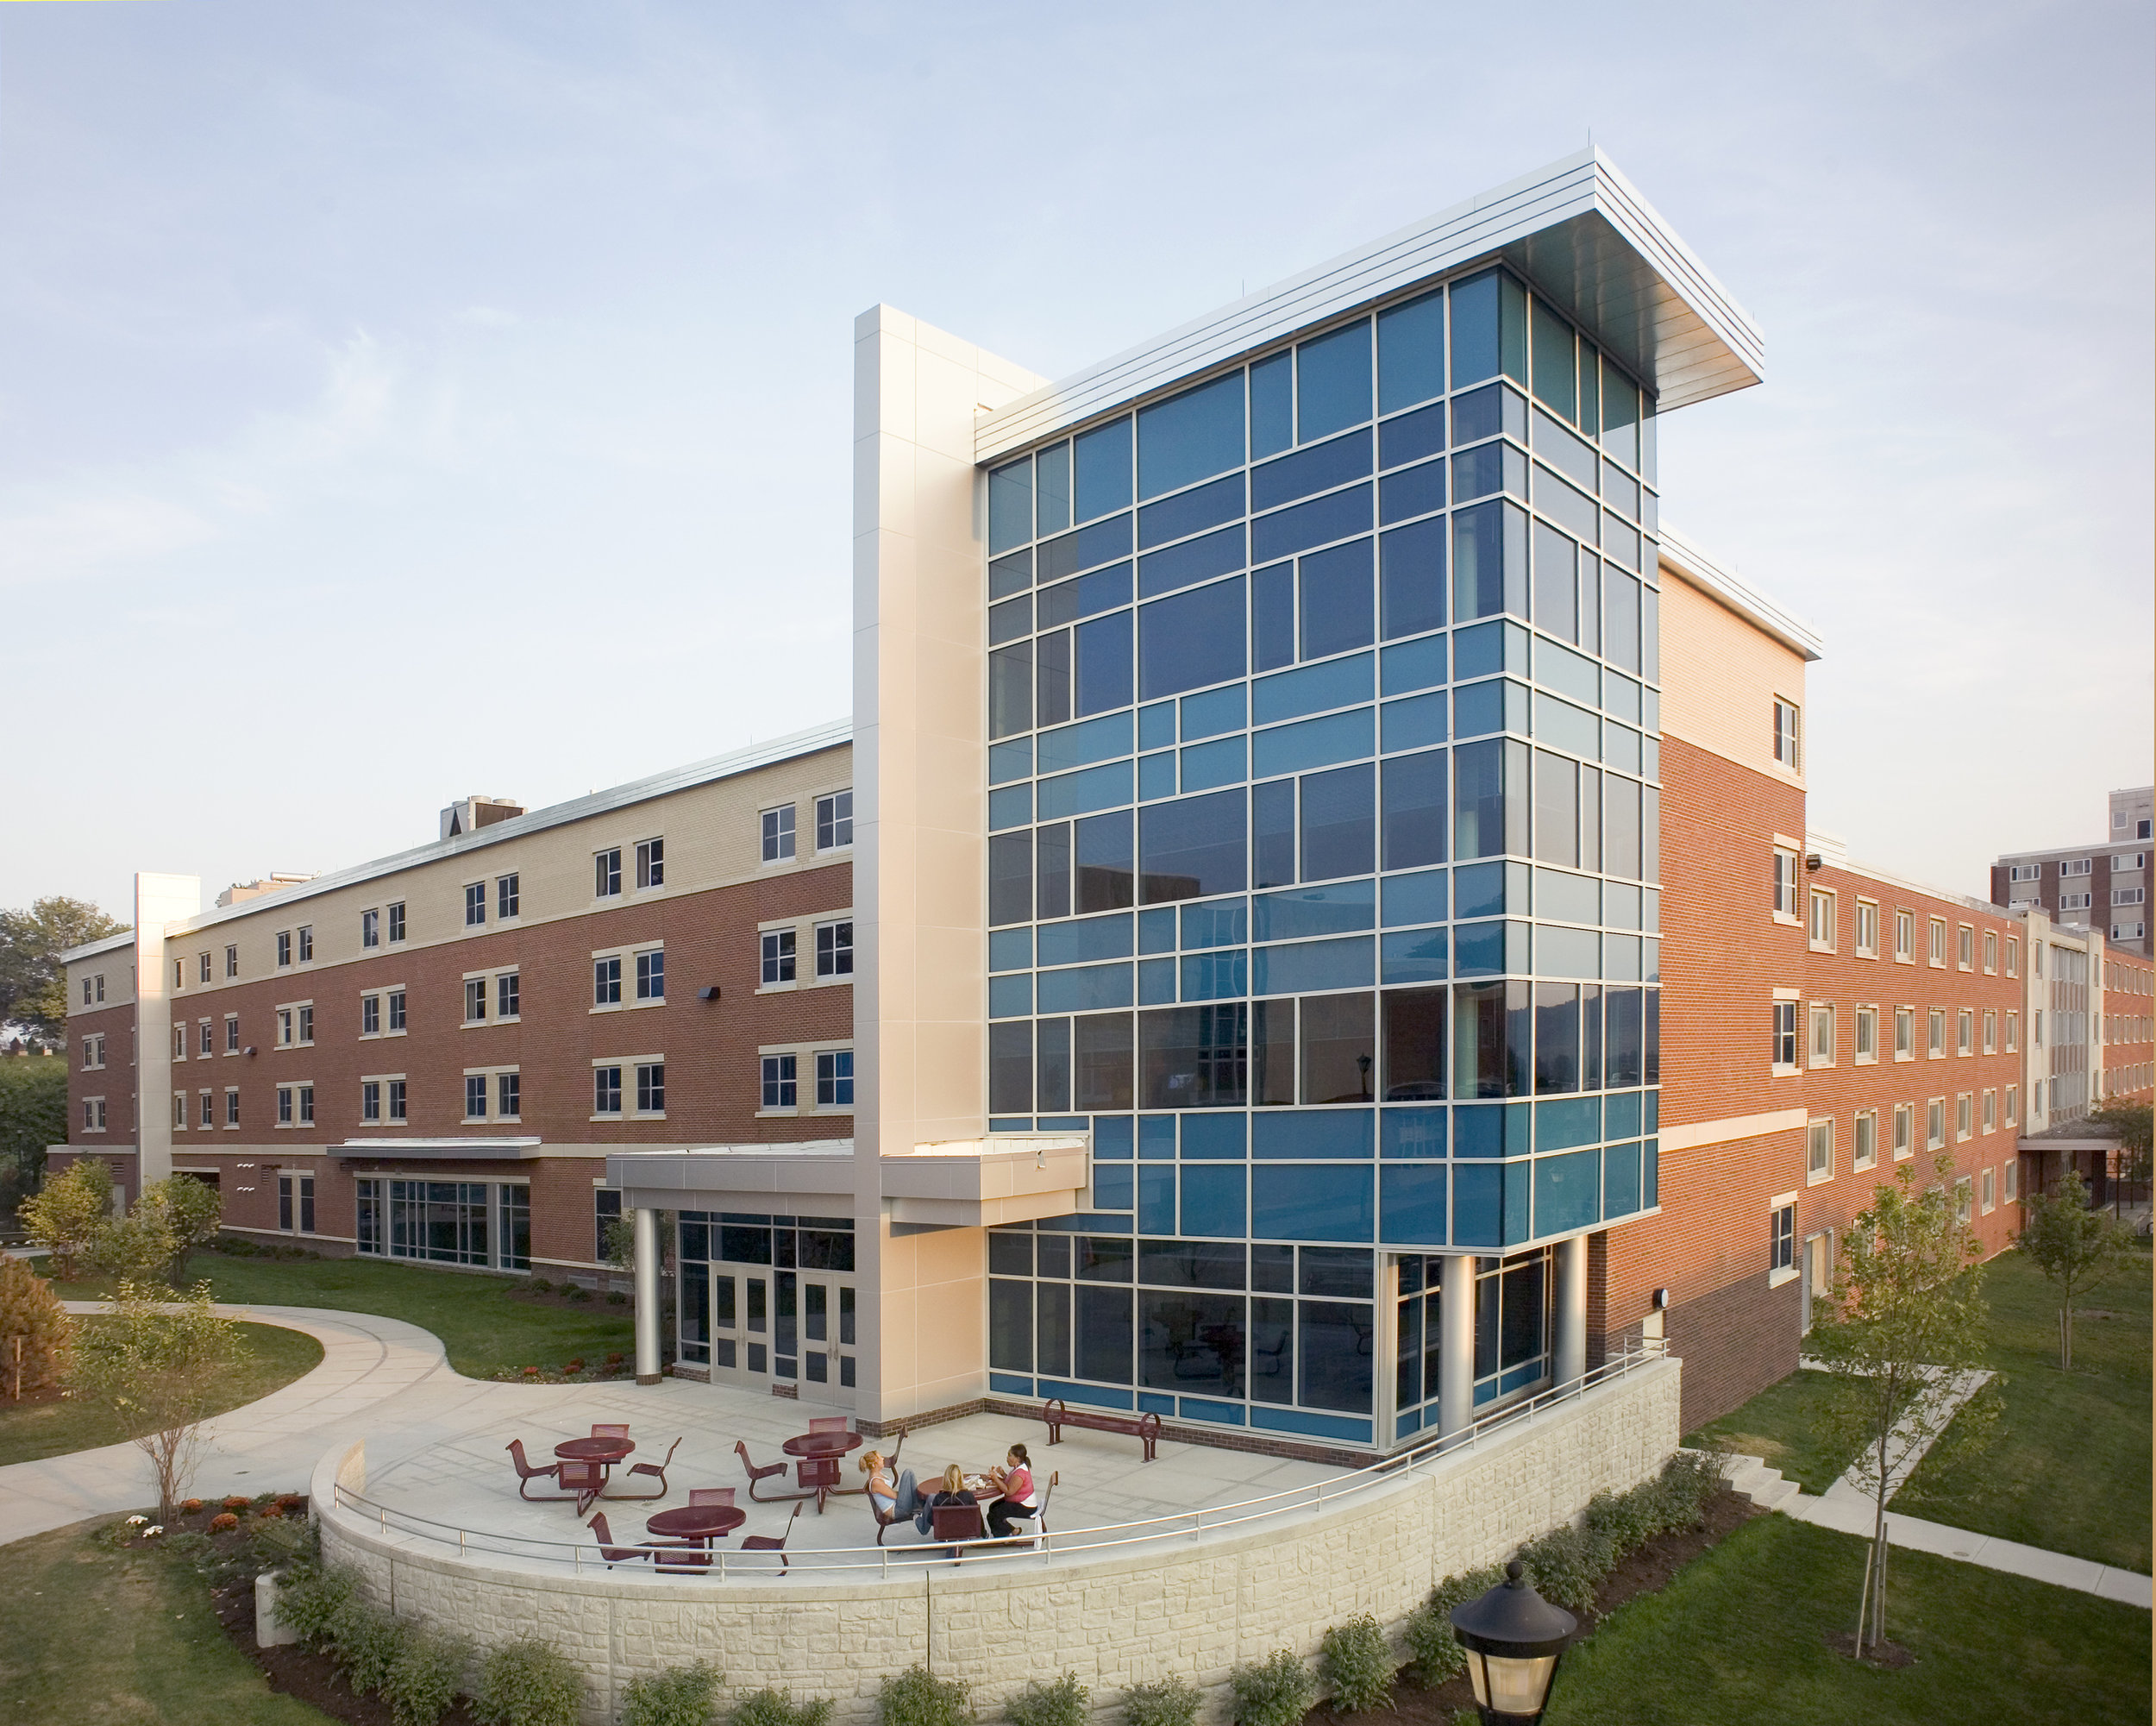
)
(1329, 1493)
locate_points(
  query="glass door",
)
(741, 1324)
(829, 1329)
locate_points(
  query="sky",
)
(406, 400)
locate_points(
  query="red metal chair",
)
(610, 1432)
(588, 1478)
(607, 1550)
(657, 1469)
(712, 1494)
(953, 1523)
(755, 1474)
(836, 1423)
(526, 1474)
(767, 1543)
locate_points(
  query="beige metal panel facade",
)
(1721, 677)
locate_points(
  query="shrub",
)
(1172, 1702)
(1627, 1520)
(193, 1506)
(223, 1523)
(188, 1544)
(615, 1359)
(422, 1682)
(616, 1298)
(1060, 1703)
(776, 1708)
(1357, 1665)
(235, 1503)
(528, 1682)
(31, 1311)
(577, 1292)
(1566, 1564)
(1277, 1691)
(309, 1599)
(540, 1285)
(918, 1697)
(366, 1644)
(1432, 1648)
(1689, 1482)
(680, 1696)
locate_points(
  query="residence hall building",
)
(2103, 886)
(428, 1057)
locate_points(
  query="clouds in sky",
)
(405, 400)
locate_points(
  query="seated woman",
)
(892, 1498)
(1014, 1480)
(952, 1492)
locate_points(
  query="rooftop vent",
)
(469, 814)
(275, 881)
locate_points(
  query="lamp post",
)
(1513, 1639)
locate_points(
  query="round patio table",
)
(819, 1454)
(698, 1523)
(594, 1449)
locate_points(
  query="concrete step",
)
(1764, 1486)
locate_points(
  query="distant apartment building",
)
(2103, 886)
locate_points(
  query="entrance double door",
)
(788, 1326)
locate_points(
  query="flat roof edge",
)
(90, 950)
(1685, 557)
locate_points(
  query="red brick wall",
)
(2129, 1031)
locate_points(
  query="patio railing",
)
(1064, 1545)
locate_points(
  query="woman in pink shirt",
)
(1014, 1480)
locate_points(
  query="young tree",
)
(2135, 1125)
(159, 1366)
(1905, 1319)
(2076, 1247)
(32, 981)
(191, 1212)
(66, 1216)
(33, 1114)
(35, 1333)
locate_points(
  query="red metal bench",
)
(1143, 1427)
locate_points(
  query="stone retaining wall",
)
(1196, 1608)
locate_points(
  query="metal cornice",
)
(1687, 560)
(1577, 229)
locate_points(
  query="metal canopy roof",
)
(1576, 229)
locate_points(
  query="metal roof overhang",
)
(1577, 229)
(442, 1150)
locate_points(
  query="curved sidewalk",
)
(269, 1445)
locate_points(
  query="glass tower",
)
(1322, 877)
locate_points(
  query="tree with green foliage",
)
(2074, 1246)
(2135, 1125)
(32, 981)
(66, 1216)
(36, 1335)
(33, 1114)
(192, 1212)
(159, 1366)
(1904, 1319)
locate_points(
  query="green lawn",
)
(1740, 1637)
(2068, 1469)
(481, 1324)
(1780, 1425)
(93, 1637)
(29, 1430)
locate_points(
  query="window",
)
(1965, 1116)
(778, 834)
(1784, 1055)
(370, 1098)
(1904, 1130)
(1863, 1151)
(397, 1009)
(396, 921)
(1867, 929)
(2127, 895)
(1991, 1032)
(395, 1099)
(606, 981)
(370, 1015)
(93, 1114)
(606, 1090)
(202, 968)
(231, 968)
(1990, 1114)
(508, 996)
(1966, 948)
(606, 1212)
(2013, 1176)
(509, 1091)
(207, 1044)
(2073, 901)
(835, 1079)
(1867, 1047)
(1782, 1254)
(1965, 1032)
(1935, 1124)
(284, 948)
(2074, 866)
(778, 1082)
(1991, 1191)
(606, 874)
(474, 1001)
(306, 1024)
(180, 1042)
(306, 1105)
(1818, 1150)
(179, 973)
(835, 950)
(834, 821)
(507, 896)
(651, 977)
(369, 928)
(651, 862)
(475, 1096)
(85, 991)
(1905, 936)
(1785, 883)
(283, 1030)
(232, 1033)
(1961, 1200)
(1822, 924)
(232, 1106)
(179, 1111)
(295, 1203)
(1990, 952)
(1935, 1026)
(2024, 872)
(208, 1110)
(1787, 742)
(1936, 950)
(1822, 1034)
(777, 945)
(474, 904)
(306, 947)
(651, 1087)
(2013, 1033)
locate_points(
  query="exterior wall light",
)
(1513, 1639)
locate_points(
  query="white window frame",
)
(1904, 937)
(776, 837)
(835, 820)
(1989, 1191)
(1819, 1150)
(1785, 1035)
(1818, 930)
(1820, 1028)
(1865, 1051)
(1905, 1034)
(1782, 1247)
(1866, 1129)
(651, 863)
(1789, 734)
(1904, 1131)
(1866, 935)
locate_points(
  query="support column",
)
(1455, 1348)
(646, 1258)
(1568, 1346)
(1385, 1351)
